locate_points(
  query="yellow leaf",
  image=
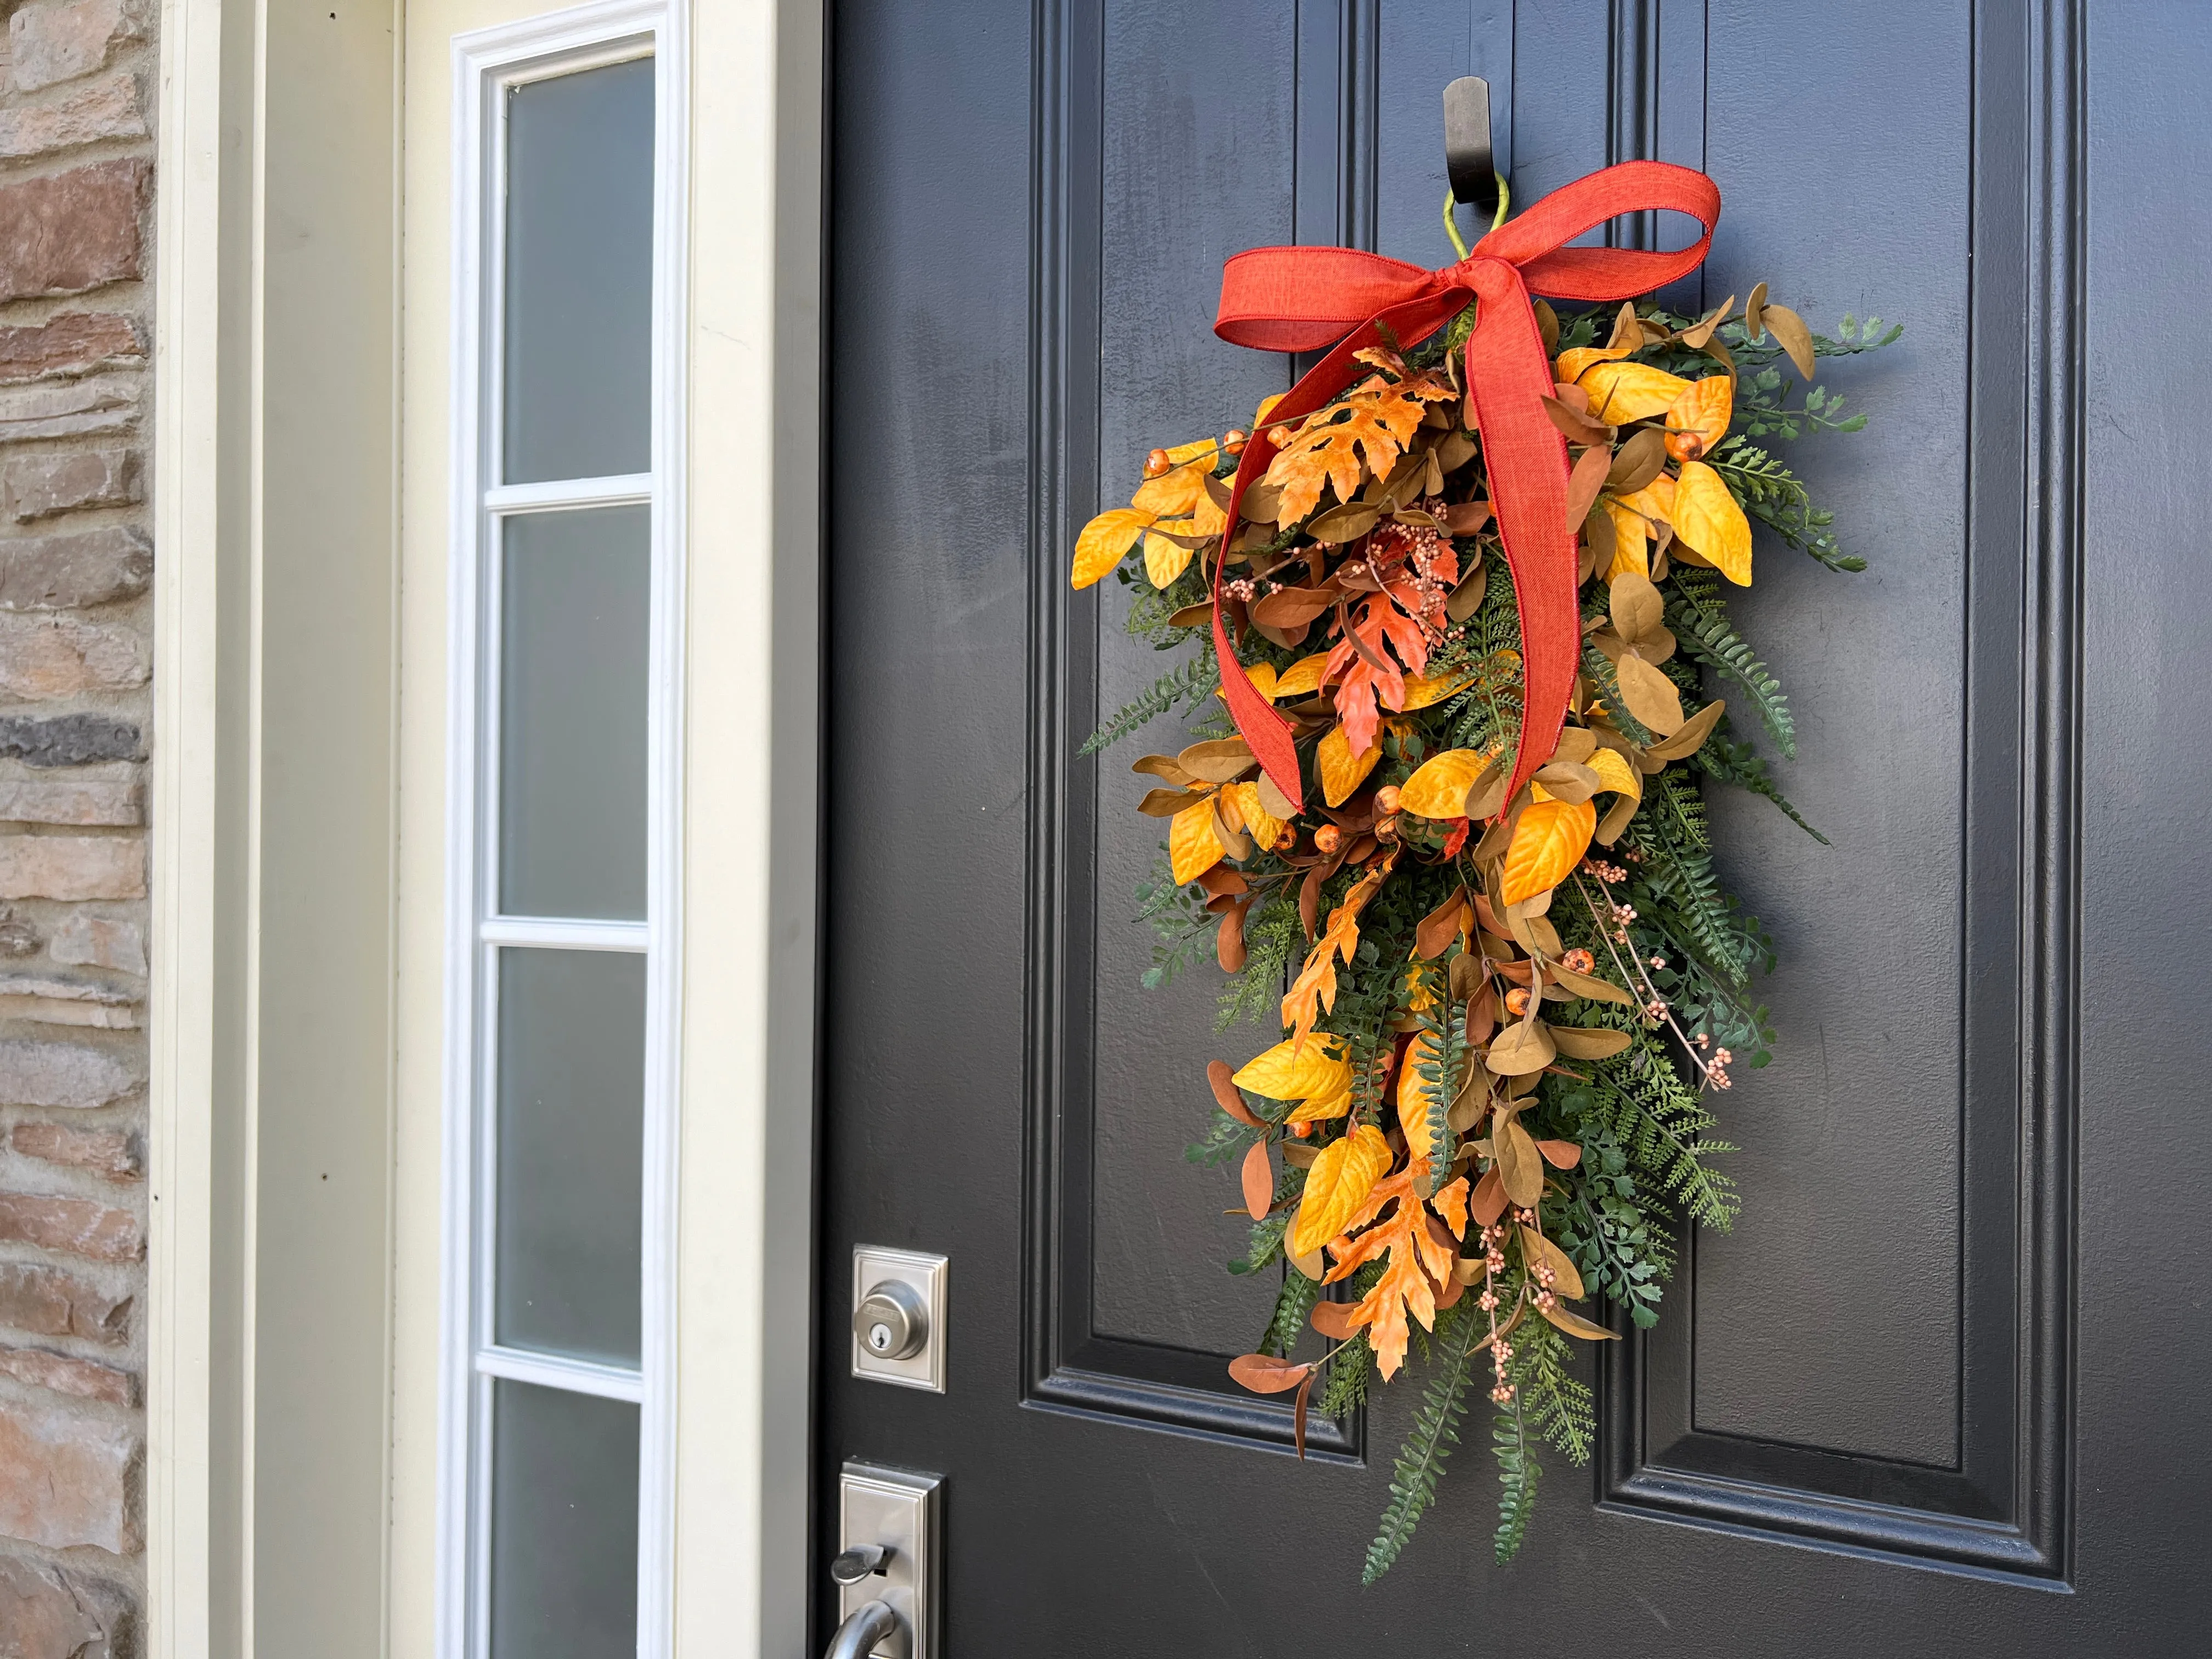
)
(1615, 773)
(1193, 845)
(1698, 419)
(1706, 517)
(1340, 1181)
(1302, 677)
(1548, 843)
(1573, 363)
(1192, 451)
(1260, 824)
(1321, 1107)
(1630, 535)
(1630, 391)
(1341, 772)
(1104, 541)
(1439, 787)
(1287, 1072)
(1175, 492)
(1164, 560)
(1423, 689)
(1655, 502)
(1262, 675)
(1267, 406)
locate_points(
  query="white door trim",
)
(249, 95)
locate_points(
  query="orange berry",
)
(1234, 440)
(1328, 838)
(1157, 463)
(1286, 839)
(1517, 1002)
(1578, 961)
(1386, 798)
(1685, 446)
(1386, 827)
(1278, 435)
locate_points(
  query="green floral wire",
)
(1451, 225)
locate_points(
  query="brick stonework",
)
(79, 86)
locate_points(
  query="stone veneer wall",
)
(76, 79)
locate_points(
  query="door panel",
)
(1891, 1360)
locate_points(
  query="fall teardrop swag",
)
(1514, 976)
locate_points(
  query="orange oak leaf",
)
(1419, 1262)
(1313, 991)
(1372, 424)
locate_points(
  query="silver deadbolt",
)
(892, 1320)
(898, 1316)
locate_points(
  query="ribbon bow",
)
(1299, 299)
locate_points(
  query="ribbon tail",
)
(1508, 377)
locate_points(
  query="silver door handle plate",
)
(889, 1519)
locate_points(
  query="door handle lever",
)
(868, 1628)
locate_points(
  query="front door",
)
(1939, 1391)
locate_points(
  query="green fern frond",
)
(1517, 1474)
(1293, 1302)
(1700, 621)
(1187, 682)
(1429, 1443)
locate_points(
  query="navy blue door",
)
(1941, 1390)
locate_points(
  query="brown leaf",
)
(1789, 331)
(1636, 609)
(1592, 1042)
(1627, 328)
(1535, 1247)
(1455, 450)
(1578, 428)
(1754, 314)
(1227, 1097)
(1485, 796)
(1588, 985)
(1587, 478)
(1520, 1165)
(1344, 523)
(1263, 1373)
(1464, 518)
(1332, 1320)
(1261, 503)
(1650, 696)
(1286, 607)
(1300, 1154)
(1442, 924)
(1222, 760)
(1691, 734)
(1258, 1181)
(1560, 1154)
(1228, 939)
(1166, 803)
(1521, 1050)
(1702, 330)
(1575, 1325)
(1192, 616)
(1298, 1416)
(1568, 780)
(1487, 1202)
(1548, 325)
(1635, 463)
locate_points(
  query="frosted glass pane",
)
(575, 591)
(563, 1525)
(571, 1152)
(579, 350)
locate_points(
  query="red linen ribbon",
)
(1299, 299)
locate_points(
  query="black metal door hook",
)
(1470, 160)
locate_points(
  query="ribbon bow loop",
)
(1301, 299)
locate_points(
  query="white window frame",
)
(486, 63)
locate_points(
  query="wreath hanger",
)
(1470, 158)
